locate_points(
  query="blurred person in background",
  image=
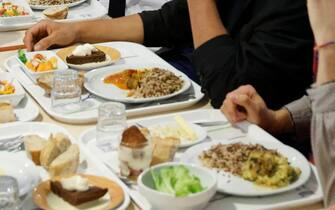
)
(220, 43)
(119, 8)
(314, 114)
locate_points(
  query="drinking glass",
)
(66, 92)
(9, 193)
(111, 124)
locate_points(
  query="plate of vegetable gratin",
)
(251, 168)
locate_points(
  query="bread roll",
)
(56, 12)
(62, 141)
(34, 144)
(7, 113)
(65, 164)
(49, 153)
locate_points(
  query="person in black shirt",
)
(267, 44)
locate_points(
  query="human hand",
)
(245, 103)
(322, 19)
(47, 33)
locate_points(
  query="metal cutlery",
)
(13, 144)
(211, 123)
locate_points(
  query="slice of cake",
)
(76, 190)
(84, 54)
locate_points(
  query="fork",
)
(12, 144)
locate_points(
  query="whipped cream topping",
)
(76, 183)
(84, 50)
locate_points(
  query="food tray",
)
(89, 10)
(309, 193)
(131, 53)
(44, 129)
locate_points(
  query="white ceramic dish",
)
(43, 7)
(309, 193)
(201, 133)
(19, 93)
(24, 170)
(92, 166)
(18, 19)
(95, 84)
(165, 201)
(230, 184)
(47, 54)
(131, 53)
(26, 111)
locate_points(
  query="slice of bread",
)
(56, 12)
(49, 153)
(65, 164)
(7, 113)
(34, 144)
(62, 141)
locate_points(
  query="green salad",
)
(176, 181)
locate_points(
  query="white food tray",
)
(131, 53)
(309, 193)
(89, 10)
(93, 166)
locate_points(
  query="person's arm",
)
(245, 103)
(48, 33)
(205, 27)
(275, 57)
(169, 26)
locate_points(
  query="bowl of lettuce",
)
(177, 186)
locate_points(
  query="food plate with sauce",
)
(109, 82)
(231, 184)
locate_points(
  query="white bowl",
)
(61, 65)
(19, 93)
(164, 201)
(18, 19)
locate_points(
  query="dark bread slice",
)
(76, 197)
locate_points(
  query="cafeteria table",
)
(11, 41)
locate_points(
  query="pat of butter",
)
(76, 183)
(185, 127)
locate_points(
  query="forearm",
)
(129, 28)
(205, 21)
(283, 122)
(326, 69)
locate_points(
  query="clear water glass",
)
(111, 124)
(66, 92)
(9, 193)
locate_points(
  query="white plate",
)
(43, 7)
(93, 166)
(47, 54)
(24, 170)
(94, 83)
(230, 184)
(26, 111)
(19, 93)
(201, 133)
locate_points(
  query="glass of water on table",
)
(66, 92)
(111, 124)
(9, 193)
